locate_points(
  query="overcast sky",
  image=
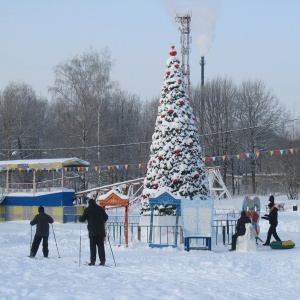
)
(241, 39)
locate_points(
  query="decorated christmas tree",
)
(175, 161)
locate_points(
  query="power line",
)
(141, 143)
(246, 128)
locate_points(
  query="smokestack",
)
(202, 63)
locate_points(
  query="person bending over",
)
(240, 229)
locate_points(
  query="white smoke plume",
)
(204, 17)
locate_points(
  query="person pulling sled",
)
(272, 217)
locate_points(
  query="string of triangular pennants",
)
(241, 156)
(76, 169)
(251, 155)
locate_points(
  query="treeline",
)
(248, 118)
(90, 117)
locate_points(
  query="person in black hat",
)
(42, 221)
(240, 229)
(271, 199)
(273, 221)
(96, 217)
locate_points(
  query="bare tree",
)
(257, 112)
(21, 121)
(79, 93)
(81, 89)
(146, 125)
(214, 106)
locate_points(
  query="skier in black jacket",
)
(240, 229)
(96, 217)
(41, 220)
(273, 221)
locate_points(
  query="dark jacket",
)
(96, 217)
(240, 226)
(42, 220)
(273, 216)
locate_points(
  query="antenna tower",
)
(185, 41)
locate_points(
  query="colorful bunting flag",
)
(27, 168)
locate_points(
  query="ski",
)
(87, 264)
(38, 258)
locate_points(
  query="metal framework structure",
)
(185, 40)
(132, 188)
(217, 185)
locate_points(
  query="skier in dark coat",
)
(240, 229)
(41, 220)
(273, 221)
(96, 217)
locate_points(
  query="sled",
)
(282, 245)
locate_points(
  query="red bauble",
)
(191, 143)
(177, 151)
(160, 157)
(162, 116)
(196, 175)
(176, 66)
(170, 111)
(196, 131)
(155, 185)
(188, 99)
(168, 73)
(143, 196)
(181, 102)
(173, 52)
(194, 119)
(179, 80)
(175, 180)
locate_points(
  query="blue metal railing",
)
(223, 229)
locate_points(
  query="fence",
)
(222, 231)
(43, 186)
(223, 228)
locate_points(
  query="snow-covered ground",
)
(145, 273)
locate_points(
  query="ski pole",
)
(55, 241)
(80, 244)
(30, 240)
(110, 246)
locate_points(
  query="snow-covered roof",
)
(44, 163)
(166, 190)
